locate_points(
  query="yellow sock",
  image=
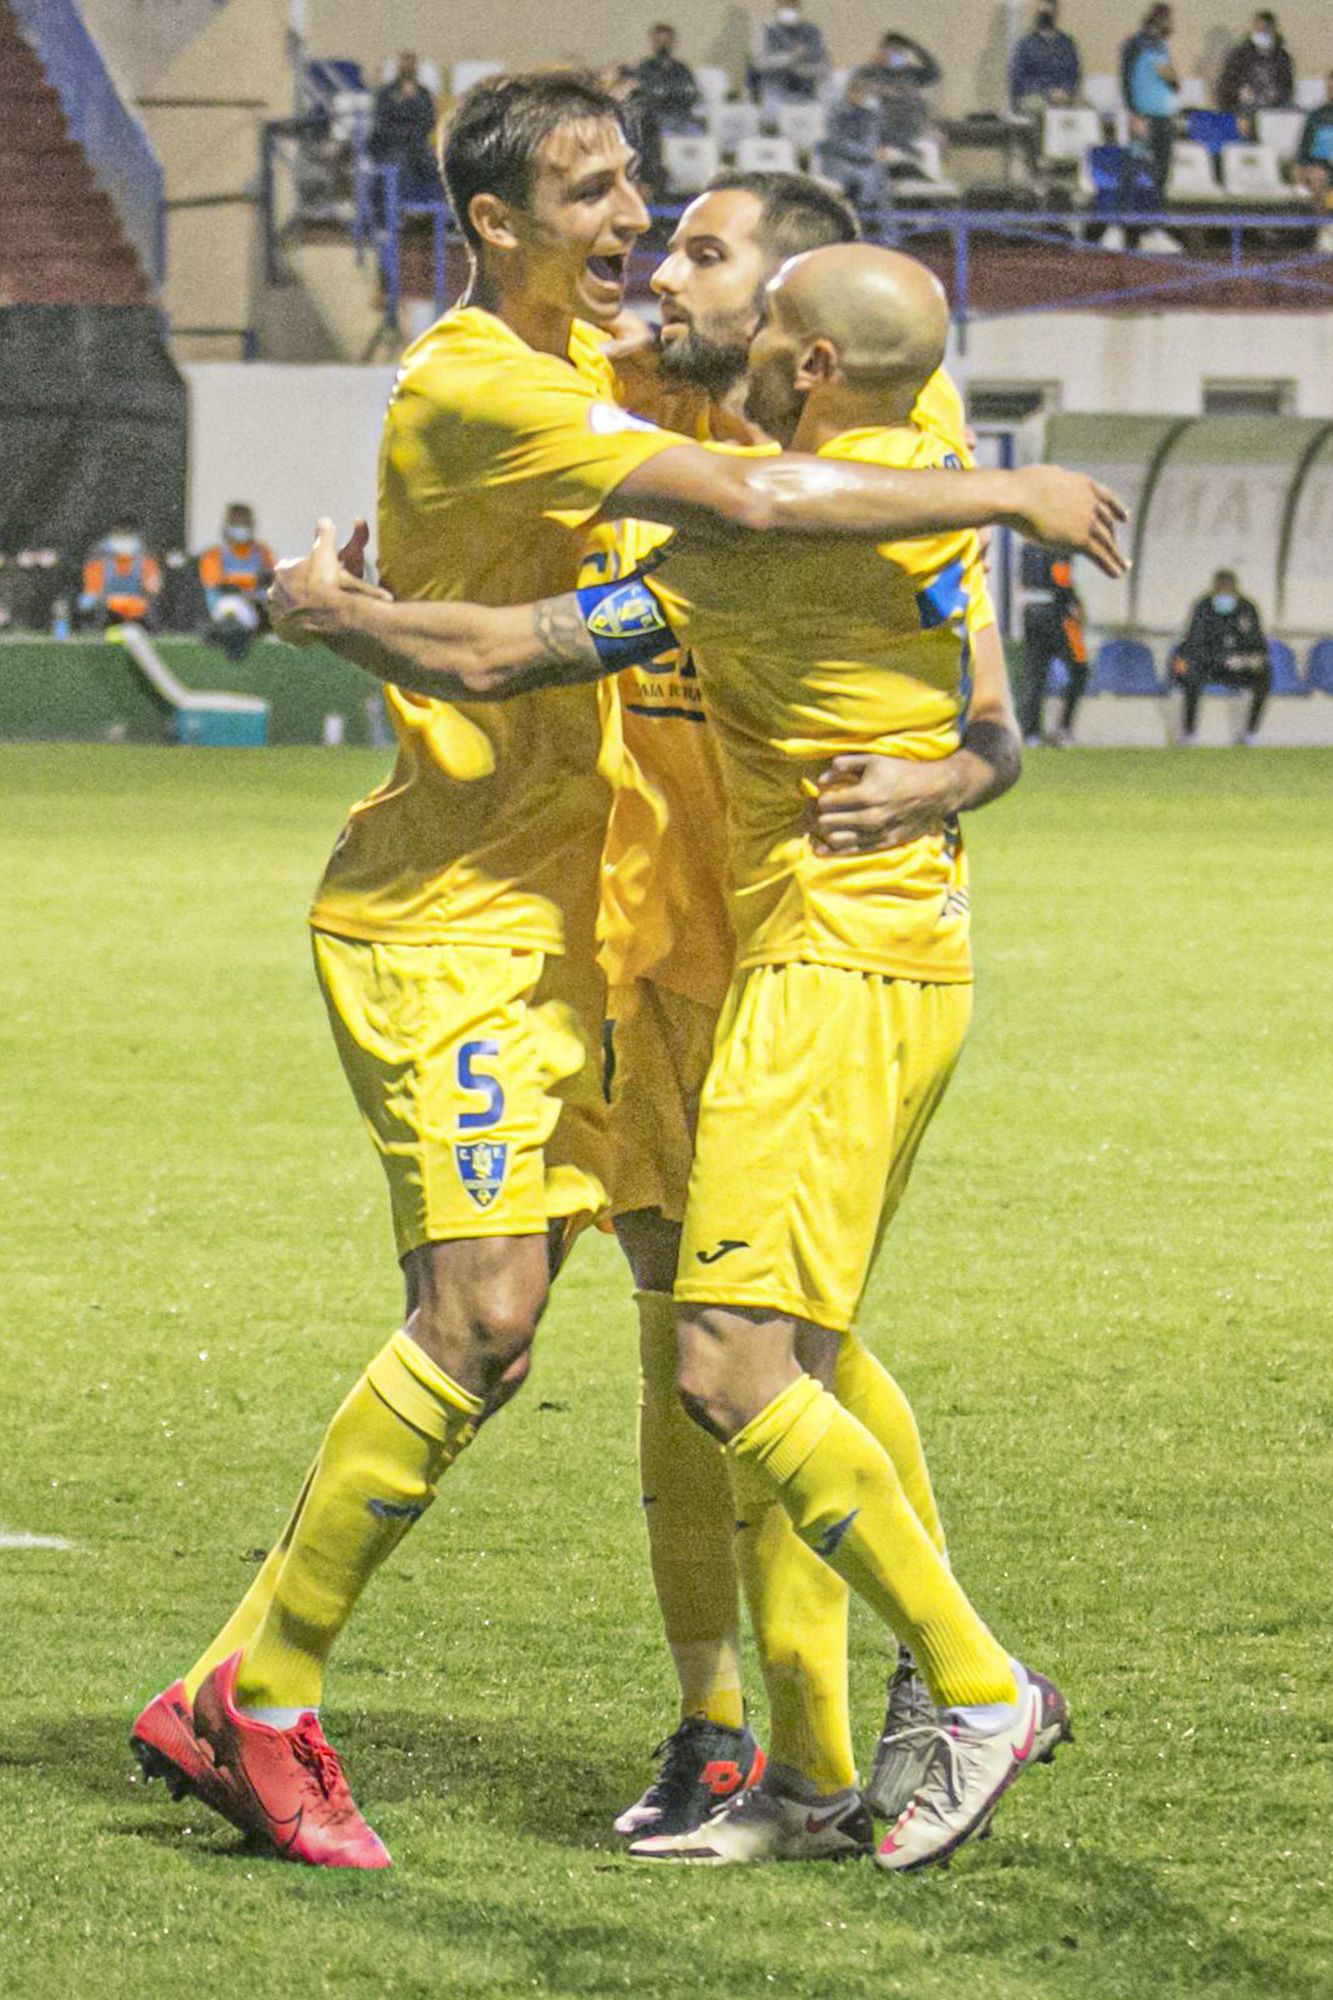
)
(864, 1386)
(402, 1424)
(847, 1502)
(798, 1611)
(690, 1516)
(245, 1620)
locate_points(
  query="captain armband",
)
(625, 622)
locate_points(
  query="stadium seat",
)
(1068, 133)
(1309, 93)
(1192, 179)
(464, 74)
(923, 178)
(1282, 131)
(765, 155)
(730, 124)
(1125, 666)
(1213, 129)
(1252, 173)
(1116, 181)
(1103, 94)
(834, 86)
(1286, 676)
(803, 124)
(691, 159)
(1192, 94)
(1319, 668)
(714, 83)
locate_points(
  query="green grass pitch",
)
(1108, 1294)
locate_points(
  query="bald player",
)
(844, 1021)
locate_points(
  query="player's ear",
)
(818, 364)
(493, 222)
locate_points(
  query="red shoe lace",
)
(320, 1758)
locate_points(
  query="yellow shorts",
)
(821, 1087)
(476, 1071)
(661, 1045)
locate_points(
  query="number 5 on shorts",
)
(479, 1080)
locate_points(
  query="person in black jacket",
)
(1257, 74)
(1225, 642)
(667, 84)
(402, 134)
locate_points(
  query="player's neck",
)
(730, 421)
(840, 407)
(544, 327)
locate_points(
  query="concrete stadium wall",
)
(967, 36)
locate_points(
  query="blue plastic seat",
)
(1213, 129)
(1286, 674)
(1125, 666)
(1319, 667)
(1121, 181)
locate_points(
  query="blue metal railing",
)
(380, 213)
(117, 147)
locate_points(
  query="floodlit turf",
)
(1109, 1295)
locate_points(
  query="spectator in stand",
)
(235, 574)
(852, 150)
(121, 581)
(1314, 162)
(1225, 642)
(900, 75)
(1257, 74)
(402, 133)
(667, 83)
(790, 61)
(1053, 629)
(1046, 68)
(639, 116)
(1151, 88)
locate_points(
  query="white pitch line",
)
(11, 1539)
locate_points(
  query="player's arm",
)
(870, 802)
(726, 497)
(462, 652)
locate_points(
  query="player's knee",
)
(483, 1341)
(701, 1380)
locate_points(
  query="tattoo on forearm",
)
(557, 624)
(997, 745)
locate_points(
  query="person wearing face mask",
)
(1257, 74)
(900, 75)
(235, 574)
(790, 60)
(121, 581)
(1046, 68)
(1225, 643)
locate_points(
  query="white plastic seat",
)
(351, 113)
(713, 81)
(1067, 131)
(1103, 94)
(691, 159)
(1192, 180)
(1282, 131)
(1309, 93)
(804, 124)
(464, 74)
(729, 124)
(1252, 173)
(766, 155)
(1192, 94)
(834, 86)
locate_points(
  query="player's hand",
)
(307, 594)
(1069, 510)
(352, 554)
(866, 803)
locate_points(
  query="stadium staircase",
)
(62, 242)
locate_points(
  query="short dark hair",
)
(798, 213)
(499, 127)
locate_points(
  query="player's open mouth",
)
(610, 270)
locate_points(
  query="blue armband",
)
(625, 622)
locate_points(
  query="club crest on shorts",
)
(482, 1165)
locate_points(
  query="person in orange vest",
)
(121, 581)
(235, 574)
(1053, 629)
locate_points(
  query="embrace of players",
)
(692, 666)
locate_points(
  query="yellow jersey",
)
(494, 460)
(800, 658)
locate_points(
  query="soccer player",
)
(454, 925)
